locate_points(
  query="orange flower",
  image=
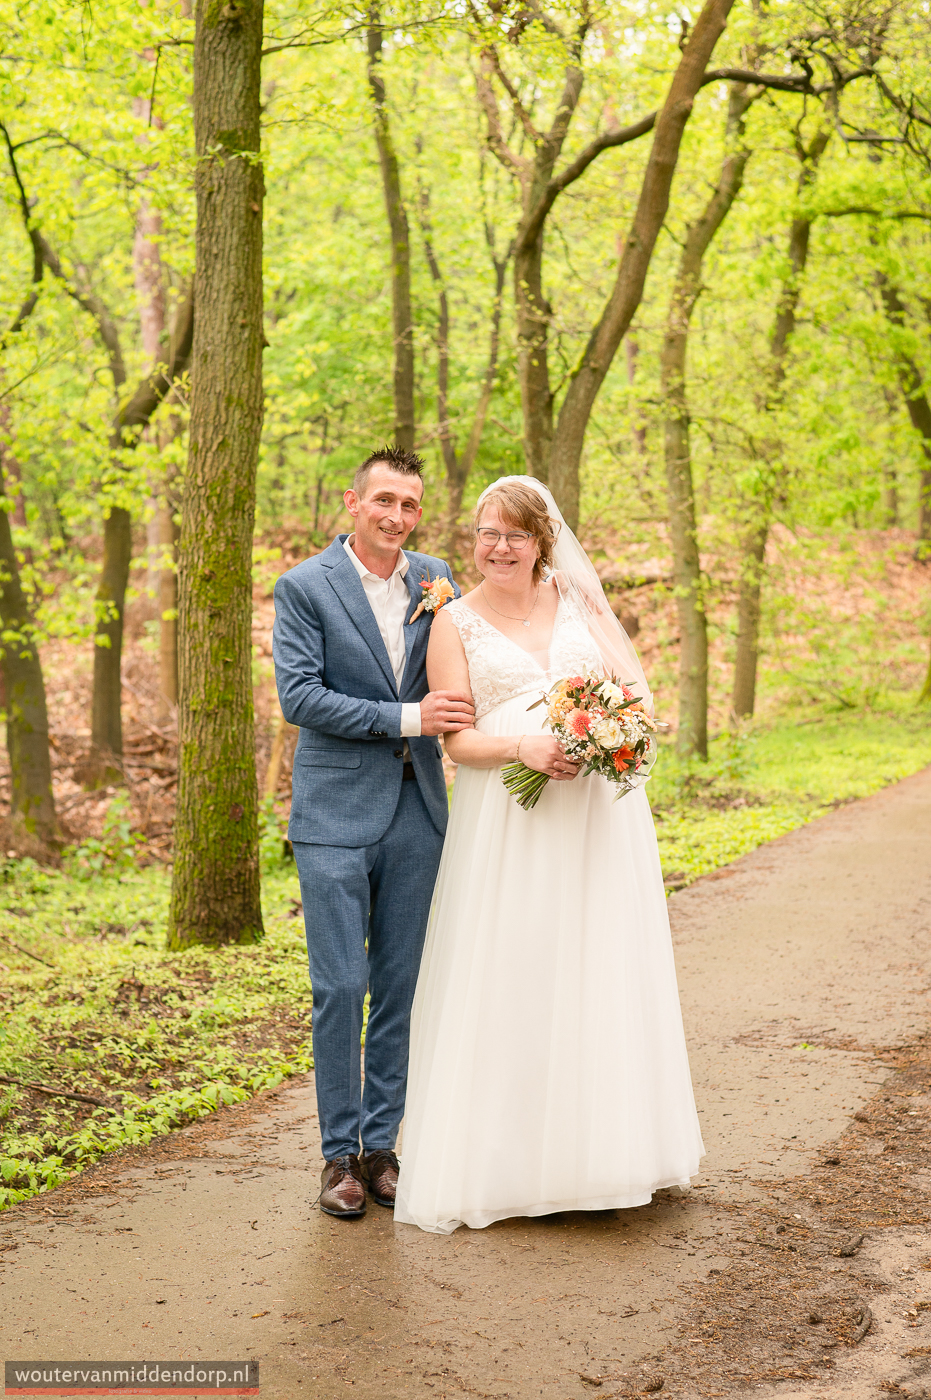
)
(579, 723)
(435, 594)
(623, 759)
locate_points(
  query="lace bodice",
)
(499, 669)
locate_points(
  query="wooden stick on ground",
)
(57, 1093)
(25, 951)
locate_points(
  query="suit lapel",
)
(416, 633)
(347, 586)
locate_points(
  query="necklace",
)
(524, 621)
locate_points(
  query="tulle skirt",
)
(548, 1065)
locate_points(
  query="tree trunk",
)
(758, 511)
(753, 555)
(32, 802)
(890, 497)
(458, 466)
(925, 695)
(106, 760)
(162, 535)
(104, 764)
(533, 312)
(276, 757)
(589, 374)
(683, 529)
(215, 885)
(34, 827)
(474, 440)
(147, 274)
(106, 714)
(639, 430)
(106, 723)
(916, 400)
(167, 542)
(402, 314)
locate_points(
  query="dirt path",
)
(804, 986)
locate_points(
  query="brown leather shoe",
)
(343, 1192)
(380, 1172)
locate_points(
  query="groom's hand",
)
(446, 711)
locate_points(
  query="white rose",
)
(608, 733)
(612, 693)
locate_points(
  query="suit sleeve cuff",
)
(410, 721)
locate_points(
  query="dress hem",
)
(480, 1220)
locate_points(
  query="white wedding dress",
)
(548, 1066)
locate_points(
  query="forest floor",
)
(798, 1266)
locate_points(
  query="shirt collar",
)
(401, 567)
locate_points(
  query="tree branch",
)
(32, 297)
(490, 55)
(495, 136)
(568, 101)
(45, 255)
(90, 302)
(607, 141)
(149, 393)
(875, 213)
(800, 83)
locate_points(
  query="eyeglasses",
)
(516, 539)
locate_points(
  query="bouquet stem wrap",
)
(526, 784)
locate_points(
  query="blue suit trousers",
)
(365, 915)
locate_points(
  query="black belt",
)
(408, 774)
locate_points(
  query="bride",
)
(548, 1065)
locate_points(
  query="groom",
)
(368, 810)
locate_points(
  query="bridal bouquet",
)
(598, 722)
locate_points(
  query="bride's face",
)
(507, 563)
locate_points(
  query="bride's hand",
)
(544, 755)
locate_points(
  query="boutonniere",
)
(435, 594)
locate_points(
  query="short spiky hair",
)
(397, 458)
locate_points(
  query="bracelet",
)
(517, 754)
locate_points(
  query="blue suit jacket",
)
(335, 681)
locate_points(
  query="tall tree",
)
(540, 186)
(215, 884)
(32, 801)
(592, 368)
(693, 627)
(401, 308)
(458, 464)
(105, 764)
(911, 382)
(32, 804)
(129, 421)
(756, 511)
(149, 276)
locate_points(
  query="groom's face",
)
(386, 511)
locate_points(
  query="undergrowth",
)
(159, 1039)
(760, 783)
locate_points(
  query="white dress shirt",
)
(389, 600)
